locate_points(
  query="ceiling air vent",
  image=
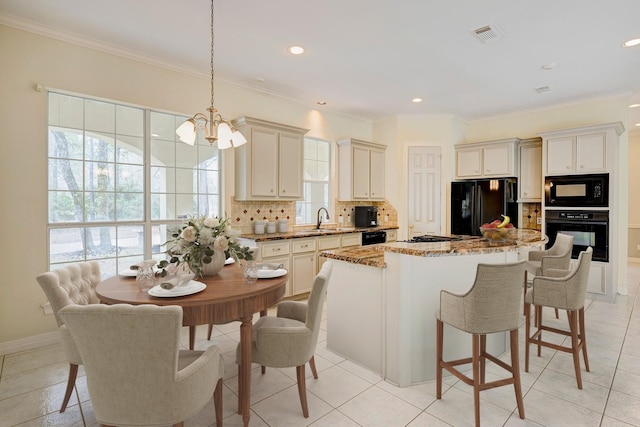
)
(487, 33)
(543, 89)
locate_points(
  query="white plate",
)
(270, 274)
(229, 260)
(193, 287)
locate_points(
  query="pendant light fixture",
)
(216, 128)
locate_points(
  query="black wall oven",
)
(577, 190)
(588, 228)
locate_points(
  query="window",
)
(316, 173)
(118, 181)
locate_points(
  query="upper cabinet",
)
(491, 159)
(360, 170)
(530, 174)
(269, 165)
(580, 151)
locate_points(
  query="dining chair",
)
(289, 339)
(72, 284)
(136, 373)
(565, 290)
(558, 256)
(492, 305)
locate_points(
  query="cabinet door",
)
(304, 271)
(264, 162)
(530, 182)
(468, 163)
(290, 166)
(591, 153)
(497, 161)
(361, 172)
(376, 179)
(560, 155)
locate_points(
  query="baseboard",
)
(29, 343)
(634, 260)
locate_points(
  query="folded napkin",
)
(177, 281)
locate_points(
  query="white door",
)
(424, 191)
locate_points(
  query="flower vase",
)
(216, 264)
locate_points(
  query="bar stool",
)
(491, 305)
(557, 256)
(565, 290)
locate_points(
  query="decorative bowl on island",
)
(495, 234)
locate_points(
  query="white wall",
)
(28, 58)
(634, 195)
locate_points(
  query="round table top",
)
(226, 286)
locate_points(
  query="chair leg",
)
(527, 335)
(539, 325)
(475, 361)
(302, 390)
(583, 339)
(180, 424)
(557, 316)
(573, 325)
(312, 365)
(483, 359)
(217, 402)
(263, 369)
(71, 382)
(239, 388)
(439, 337)
(515, 370)
(209, 331)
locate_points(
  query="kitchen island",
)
(382, 300)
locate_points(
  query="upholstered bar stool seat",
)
(492, 305)
(564, 290)
(557, 257)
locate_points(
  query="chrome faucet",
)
(320, 217)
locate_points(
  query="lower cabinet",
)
(303, 264)
(276, 253)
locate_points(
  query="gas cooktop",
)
(429, 238)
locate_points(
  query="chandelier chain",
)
(212, 70)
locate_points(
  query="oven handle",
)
(562, 221)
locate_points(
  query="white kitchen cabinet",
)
(324, 244)
(577, 154)
(276, 253)
(492, 159)
(352, 239)
(269, 166)
(361, 169)
(303, 263)
(530, 173)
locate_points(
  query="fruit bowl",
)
(497, 235)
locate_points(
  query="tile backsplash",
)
(244, 213)
(530, 214)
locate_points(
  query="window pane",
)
(65, 174)
(317, 166)
(185, 182)
(163, 206)
(186, 156)
(130, 206)
(99, 206)
(100, 147)
(130, 178)
(129, 121)
(163, 180)
(66, 111)
(65, 143)
(65, 206)
(98, 176)
(130, 149)
(99, 116)
(131, 240)
(66, 244)
(208, 157)
(163, 153)
(100, 242)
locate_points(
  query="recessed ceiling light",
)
(416, 100)
(631, 43)
(321, 102)
(543, 89)
(638, 124)
(634, 105)
(549, 66)
(296, 50)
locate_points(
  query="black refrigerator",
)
(476, 202)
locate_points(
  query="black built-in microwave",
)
(577, 190)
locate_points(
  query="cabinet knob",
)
(271, 190)
(411, 226)
(284, 191)
(568, 167)
(581, 166)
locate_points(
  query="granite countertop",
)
(374, 255)
(299, 234)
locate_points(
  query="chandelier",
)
(215, 127)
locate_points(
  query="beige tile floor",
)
(32, 384)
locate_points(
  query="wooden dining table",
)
(226, 298)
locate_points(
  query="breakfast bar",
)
(382, 301)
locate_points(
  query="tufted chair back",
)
(73, 284)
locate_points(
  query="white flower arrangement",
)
(196, 241)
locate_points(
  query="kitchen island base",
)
(384, 318)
